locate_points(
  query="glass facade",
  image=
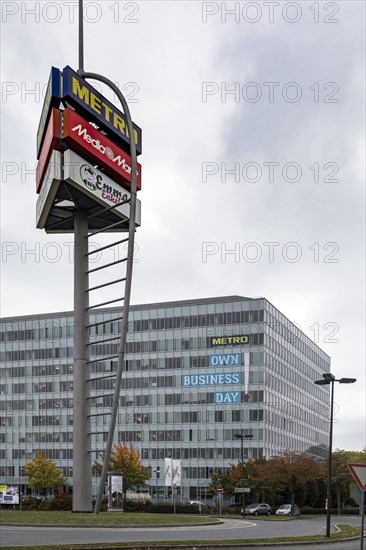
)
(197, 373)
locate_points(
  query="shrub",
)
(61, 501)
(33, 503)
(142, 498)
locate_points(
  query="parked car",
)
(285, 510)
(257, 509)
(198, 503)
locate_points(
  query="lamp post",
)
(157, 471)
(329, 378)
(242, 437)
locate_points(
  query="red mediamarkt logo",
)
(94, 145)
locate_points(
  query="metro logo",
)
(229, 340)
(87, 100)
(92, 144)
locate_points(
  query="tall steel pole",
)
(81, 36)
(329, 482)
(329, 378)
(82, 475)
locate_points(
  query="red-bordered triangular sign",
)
(359, 474)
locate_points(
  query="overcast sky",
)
(253, 160)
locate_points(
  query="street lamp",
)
(242, 437)
(329, 378)
(157, 471)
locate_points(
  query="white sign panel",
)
(177, 473)
(173, 472)
(116, 484)
(168, 463)
(49, 189)
(96, 185)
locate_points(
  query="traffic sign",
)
(242, 489)
(359, 474)
(220, 489)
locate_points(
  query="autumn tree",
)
(126, 459)
(43, 475)
(292, 470)
(341, 476)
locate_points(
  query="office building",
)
(198, 372)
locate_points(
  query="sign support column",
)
(82, 474)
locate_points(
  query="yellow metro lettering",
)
(236, 339)
(81, 91)
(216, 341)
(95, 103)
(118, 122)
(135, 137)
(107, 112)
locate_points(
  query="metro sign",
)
(87, 100)
(88, 141)
(70, 87)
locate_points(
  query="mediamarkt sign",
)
(66, 126)
(82, 175)
(81, 136)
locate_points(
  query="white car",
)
(196, 503)
(285, 510)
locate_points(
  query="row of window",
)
(163, 345)
(56, 329)
(132, 365)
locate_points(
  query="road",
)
(230, 529)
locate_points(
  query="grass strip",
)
(104, 519)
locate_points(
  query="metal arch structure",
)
(126, 304)
(83, 461)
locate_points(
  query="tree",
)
(43, 475)
(126, 459)
(292, 470)
(341, 476)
